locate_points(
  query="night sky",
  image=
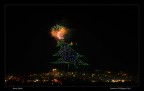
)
(107, 35)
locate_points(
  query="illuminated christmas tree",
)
(66, 53)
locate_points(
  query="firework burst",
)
(58, 32)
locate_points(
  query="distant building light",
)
(123, 80)
(37, 80)
(107, 80)
(54, 69)
(93, 81)
(44, 80)
(109, 72)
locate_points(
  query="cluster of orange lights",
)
(56, 81)
(118, 81)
